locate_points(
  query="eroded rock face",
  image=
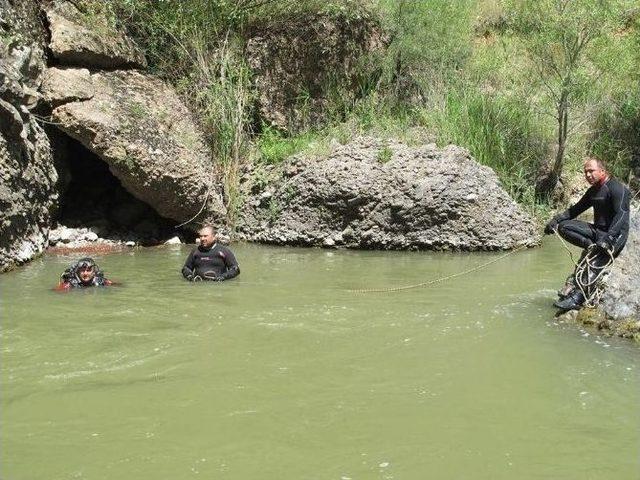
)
(138, 125)
(27, 176)
(298, 64)
(88, 37)
(27, 190)
(386, 195)
(62, 85)
(621, 299)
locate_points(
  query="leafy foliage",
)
(520, 83)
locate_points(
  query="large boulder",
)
(137, 124)
(621, 298)
(88, 36)
(27, 176)
(301, 65)
(385, 195)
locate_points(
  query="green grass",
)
(499, 131)
(616, 138)
(273, 145)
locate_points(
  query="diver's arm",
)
(231, 264)
(572, 212)
(189, 266)
(583, 204)
(63, 286)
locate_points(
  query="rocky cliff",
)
(94, 91)
(305, 66)
(27, 191)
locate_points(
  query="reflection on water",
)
(284, 373)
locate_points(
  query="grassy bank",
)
(498, 77)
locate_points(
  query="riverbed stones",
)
(84, 33)
(379, 194)
(140, 128)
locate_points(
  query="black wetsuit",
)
(610, 202)
(216, 263)
(71, 280)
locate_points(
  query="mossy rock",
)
(591, 316)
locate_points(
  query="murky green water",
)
(282, 374)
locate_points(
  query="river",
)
(283, 373)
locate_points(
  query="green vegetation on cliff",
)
(528, 86)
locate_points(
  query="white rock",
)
(173, 241)
(329, 242)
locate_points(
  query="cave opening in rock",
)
(91, 196)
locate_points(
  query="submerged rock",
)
(386, 195)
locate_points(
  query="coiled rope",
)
(591, 288)
(437, 280)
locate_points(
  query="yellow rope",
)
(566, 247)
(592, 299)
(437, 280)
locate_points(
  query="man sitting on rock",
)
(83, 273)
(602, 240)
(210, 260)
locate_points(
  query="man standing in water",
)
(608, 233)
(210, 260)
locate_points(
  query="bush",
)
(499, 131)
(274, 146)
(616, 134)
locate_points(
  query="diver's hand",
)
(604, 243)
(187, 273)
(551, 227)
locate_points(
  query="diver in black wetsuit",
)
(83, 273)
(210, 261)
(610, 200)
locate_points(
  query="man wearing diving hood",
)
(83, 273)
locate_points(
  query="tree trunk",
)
(547, 181)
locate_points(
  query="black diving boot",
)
(568, 288)
(571, 302)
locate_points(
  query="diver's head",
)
(86, 270)
(594, 171)
(207, 236)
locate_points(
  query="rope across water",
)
(437, 280)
